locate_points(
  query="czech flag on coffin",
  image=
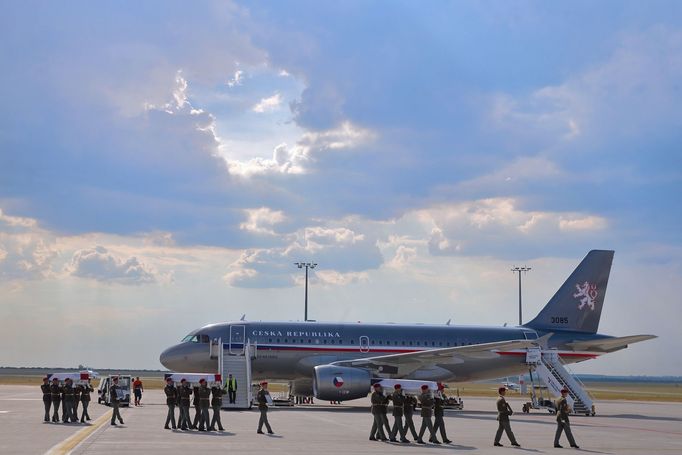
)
(338, 381)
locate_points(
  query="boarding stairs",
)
(552, 371)
(234, 357)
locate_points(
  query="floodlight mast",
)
(307, 265)
(519, 270)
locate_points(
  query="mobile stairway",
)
(234, 357)
(547, 366)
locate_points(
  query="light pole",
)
(519, 270)
(307, 265)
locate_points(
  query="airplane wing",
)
(405, 363)
(608, 344)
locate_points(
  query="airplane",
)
(340, 359)
(513, 386)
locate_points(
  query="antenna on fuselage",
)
(243, 318)
(505, 325)
(449, 320)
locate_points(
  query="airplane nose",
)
(172, 358)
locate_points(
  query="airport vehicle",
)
(340, 361)
(104, 392)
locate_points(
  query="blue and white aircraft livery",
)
(336, 360)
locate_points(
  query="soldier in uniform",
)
(398, 410)
(47, 398)
(562, 411)
(231, 388)
(378, 411)
(262, 398)
(113, 392)
(197, 408)
(77, 389)
(439, 413)
(408, 409)
(503, 413)
(204, 403)
(184, 393)
(85, 399)
(171, 398)
(217, 403)
(55, 393)
(67, 405)
(426, 401)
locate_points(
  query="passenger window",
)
(410, 343)
(352, 341)
(310, 341)
(325, 341)
(333, 341)
(203, 338)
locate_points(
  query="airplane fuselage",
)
(290, 350)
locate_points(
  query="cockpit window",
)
(198, 338)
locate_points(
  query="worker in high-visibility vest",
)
(231, 384)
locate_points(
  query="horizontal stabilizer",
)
(608, 344)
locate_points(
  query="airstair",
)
(234, 357)
(548, 366)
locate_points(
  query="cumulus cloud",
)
(499, 226)
(302, 157)
(27, 252)
(237, 79)
(100, 264)
(268, 104)
(342, 253)
(262, 220)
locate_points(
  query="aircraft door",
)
(236, 339)
(364, 344)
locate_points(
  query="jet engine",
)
(340, 383)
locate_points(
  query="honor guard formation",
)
(68, 390)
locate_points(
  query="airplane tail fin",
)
(577, 304)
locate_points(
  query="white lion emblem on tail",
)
(587, 293)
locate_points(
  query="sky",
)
(163, 164)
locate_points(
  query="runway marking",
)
(66, 446)
(4, 412)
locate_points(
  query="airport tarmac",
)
(619, 428)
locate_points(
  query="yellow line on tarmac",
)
(70, 443)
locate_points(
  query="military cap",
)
(397, 386)
(183, 380)
(377, 386)
(441, 386)
(264, 383)
(425, 387)
(564, 390)
(202, 380)
(501, 389)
